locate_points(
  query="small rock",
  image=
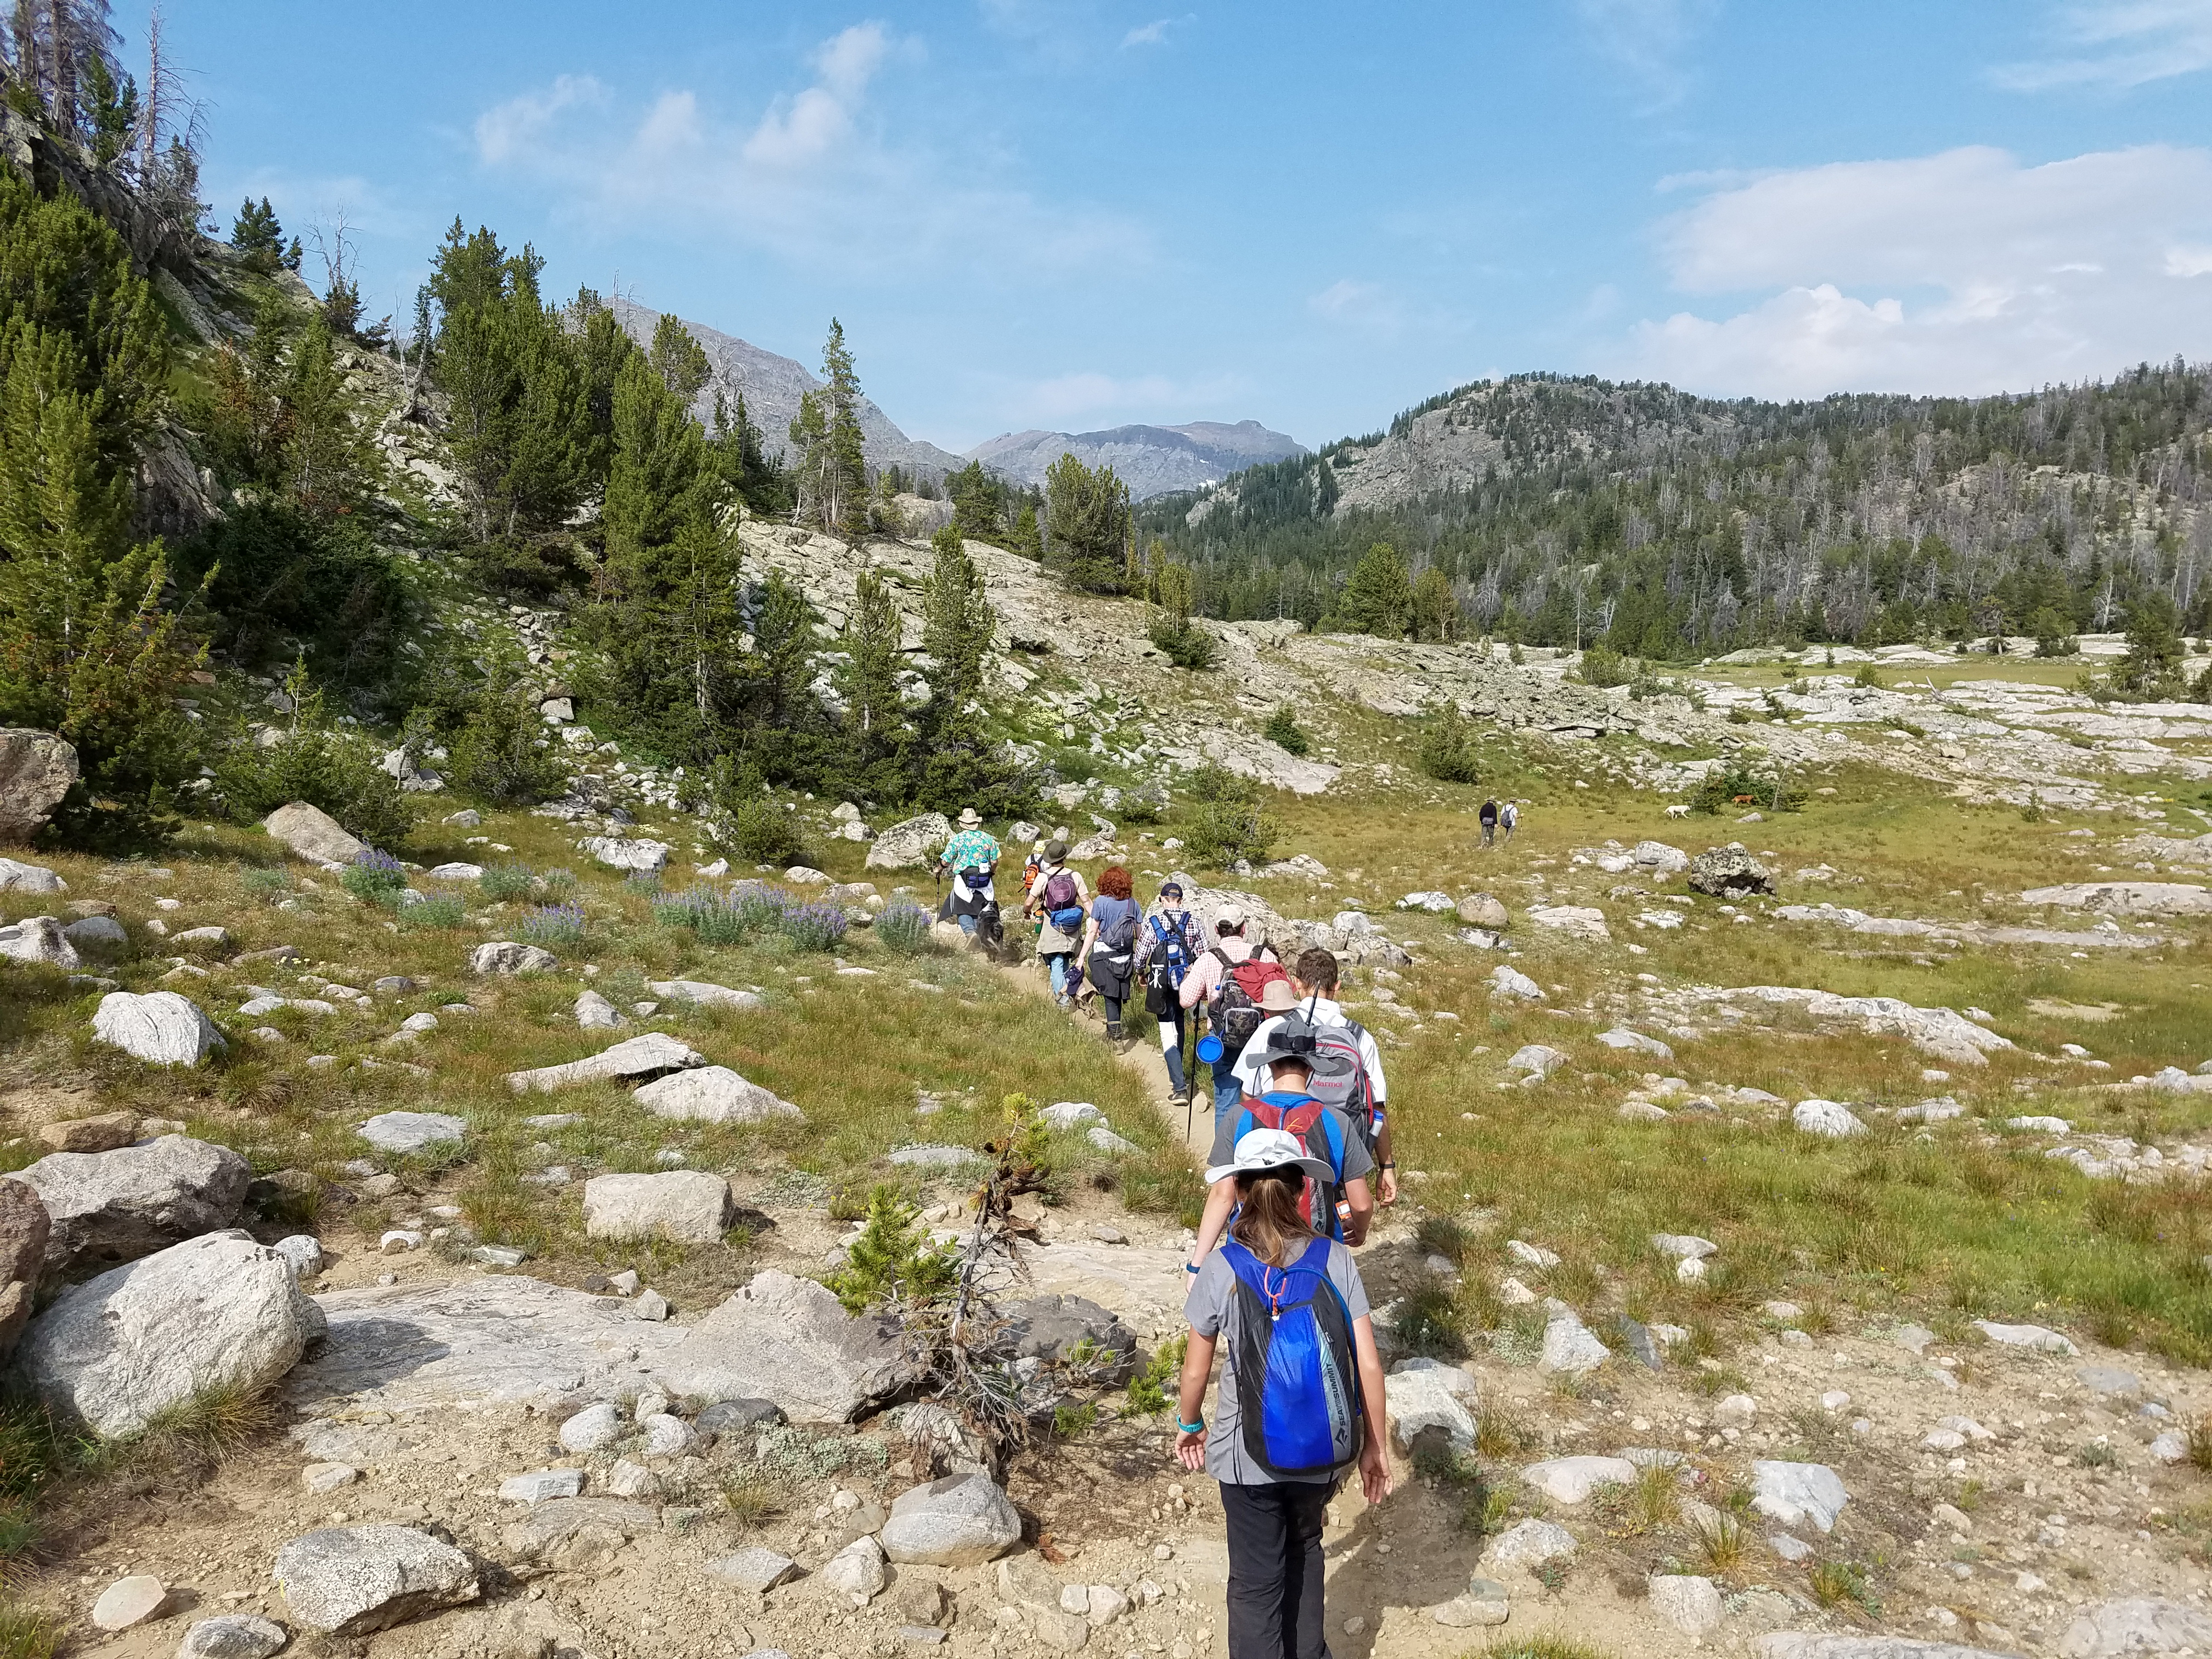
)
(754, 1569)
(960, 1521)
(540, 1485)
(592, 1429)
(2025, 1336)
(1827, 1118)
(1691, 1604)
(629, 1480)
(130, 1601)
(856, 1571)
(1531, 1544)
(1796, 1492)
(233, 1636)
(1571, 1479)
(404, 1133)
(319, 1478)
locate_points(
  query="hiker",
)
(1301, 1400)
(971, 859)
(1317, 1026)
(1508, 819)
(1109, 941)
(1489, 815)
(1060, 901)
(1339, 1205)
(1232, 1008)
(1171, 943)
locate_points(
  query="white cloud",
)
(1648, 39)
(1959, 272)
(817, 177)
(1149, 34)
(2119, 44)
(1085, 395)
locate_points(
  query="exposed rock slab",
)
(2127, 898)
(1967, 932)
(791, 1341)
(2139, 1625)
(701, 994)
(633, 1059)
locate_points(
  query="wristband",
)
(1390, 1166)
(1190, 1266)
(1198, 1427)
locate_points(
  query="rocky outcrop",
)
(218, 1312)
(111, 1206)
(36, 770)
(24, 1225)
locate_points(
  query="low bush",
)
(558, 882)
(1284, 731)
(1186, 647)
(1602, 666)
(903, 928)
(1736, 785)
(554, 924)
(1220, 833)
(373, 877)
(892, 1262)
(816, 926)
(1449, 751)
(439, 910)
(508, 881)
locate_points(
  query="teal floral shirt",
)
(971, 849)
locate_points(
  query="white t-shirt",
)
(1250, 1073)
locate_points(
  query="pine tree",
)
(1087, 524)
(1378, 596)
(957, 624)
(833, 474)
(2152, 667)
(872, 638)
(256, 233)
(679, 359)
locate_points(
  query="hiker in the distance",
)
(1489, 815)
(1339, 1205)
(1317, 1026)
(969, 860)
(1169, 942)
(1508, 819)
(1060, 901)
(1301, 1401)
(1232, 1006)
(1109, 946)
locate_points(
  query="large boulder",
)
(17, 876)
(960, 1520)
(1729, 872)
(712, 1094)
(351, 1581)
(1659, 859)
(633, 1060)
(39, 940)
(24, 1225)
(108, 1207)
(689, 1206)
(36, 770)
(791, 1341)
(911, 844)
(163, 1027)
(310, 833)
(215, 1312)
(641, 857)
(1483, 910)
(506, 958)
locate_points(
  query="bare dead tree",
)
(334, 246)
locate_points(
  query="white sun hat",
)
(1262, 1149)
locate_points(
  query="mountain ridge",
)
(1153, 460)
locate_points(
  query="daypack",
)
(1235, 1010)
(1117, 937)
(1165, 964)
(1297, 1375)
(1340, 1076)
(1060, 892)
(1321, 1132)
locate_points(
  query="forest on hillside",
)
(1671, 527)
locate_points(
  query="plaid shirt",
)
(971, 849)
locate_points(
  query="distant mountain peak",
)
(1153, 460)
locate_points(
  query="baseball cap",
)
(1230, 916)
(1262, 1149)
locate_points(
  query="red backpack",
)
(1321, 1132)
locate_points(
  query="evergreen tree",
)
(977, 502)
(256, 233)
(832, 467)
(872, 637)
(658, 477)
(330, 466)
(1378, 596)
(1087, 526)
(2152, 667)
(957, 624)
(679, 359)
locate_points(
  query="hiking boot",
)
(1113, 1033)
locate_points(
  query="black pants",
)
(1275, 1569)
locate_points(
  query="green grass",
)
(1544, 1646)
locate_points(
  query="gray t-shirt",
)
(1213, 1309)
(1358, 1160)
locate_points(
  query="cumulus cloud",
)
(818, 176)
(1649, 39)
(1965, 271)
(2117, 45)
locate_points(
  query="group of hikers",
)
(1301, 1157)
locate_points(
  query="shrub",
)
(891, 1261)
(1153, 1389)
(730, 917)
(1283, 730)
(554, 924)
(558, 882)
(1866, 675)
(441, 910)
(1149, 803)
(1602, 666)
(319, 762)
(903, 928)
(1449, 753)
(265, 883)
(1212, 783)
(642, 883)
(501, 752)
(1738, 785)
(815, 927)
(1186, 647)
(761, 832)
(508, 881)
(373, 877)
(1221, 832)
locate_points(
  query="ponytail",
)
(1267, 1221)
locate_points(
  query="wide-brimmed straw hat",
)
(969, 818)
(1260, 1152)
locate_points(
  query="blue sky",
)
(1073, 213)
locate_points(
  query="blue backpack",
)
(1298, 1373)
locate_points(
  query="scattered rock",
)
(1826, 1118)
(595, 1013)
(540, 1485)
(856, 1571)
(217, 1312)
(1797, 1645)
(1484, 1602)
(39, 940)
(1575, 921)
(1572, 1480)
(161, 1028)
(115, 1206)
(402, 1132)
(753, 1569)
(1425, 1394)
(595, 1428)
(36, 770)
(958, 1522)
(97, 934)
(788, 1341)
(312, 834)
(635, 1059)
(712, 1094)
(1570, 1346)
(507, 957)
(2025, 1336)
(1635, 1042)
(641, 857)
(1535, 1060)
(687, 1207)
(1796, 1492)
(578, 1532)
(1691, 1604)
(233, 1636)
(701, 994)
(103, 1134)
(1506, 981)
(350, 1581)
(1481, 910)
(320, 1478)
(17, 876)
(128, 1601)
(1531, 1544)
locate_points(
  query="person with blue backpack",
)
(1171, 943)
(1338, 1204)
(1058, 898)
(1301, 1400)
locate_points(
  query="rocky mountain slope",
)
(772, 386)
(1153, 460)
